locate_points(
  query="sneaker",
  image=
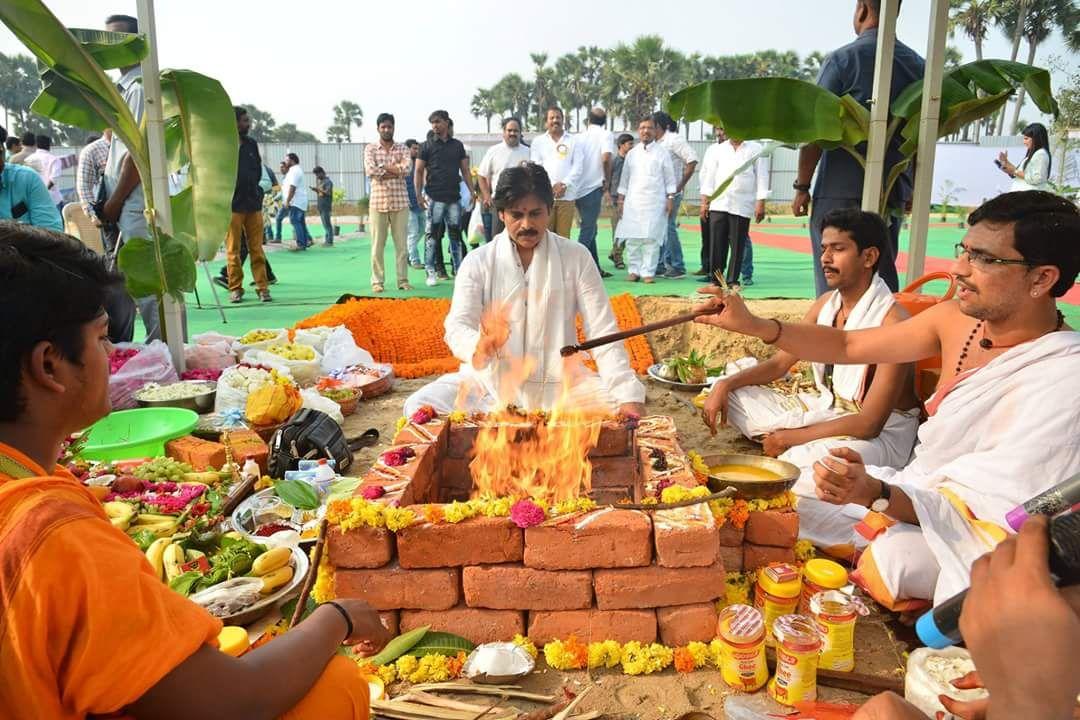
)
(272, 280)
(236, 296)
(674, 275)
(442, 276)
(431, 281)
(222, 282)
(264, 296)
(702, 271)
(417, 266)
(604, 273)
(747, 282)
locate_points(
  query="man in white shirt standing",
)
(558, 152)
(507, 154)
(294, 198)
(596, 146)
(730, 213)
(685, 161)
(49, 167)
(646, 199)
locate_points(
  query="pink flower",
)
(661, 484)
(372, 492)
(424, 415)
(526, 514)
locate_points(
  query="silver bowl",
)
(747, 489)
(201, 403)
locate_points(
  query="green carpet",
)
(310, 281)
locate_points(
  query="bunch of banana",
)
(161, 525)
(273, 568)
(207, 477)
(120, 513)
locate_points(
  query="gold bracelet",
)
(779, 332)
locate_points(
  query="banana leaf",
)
(142, 274)
(441, 643)
(183, 220)
(76, 91)
(791, 111)
(112, 49)
(206, 132)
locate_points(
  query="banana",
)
(119, 513)
(172, 559)
(160, 529)
(271, 560)
(276, 579)
(209, 477)
(152, 518)
(155, 555)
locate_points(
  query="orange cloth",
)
(85, 625)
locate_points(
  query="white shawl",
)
(1002, 435)
(869, 312)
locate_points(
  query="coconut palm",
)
(483, 105)
(973, 18)
(648, 72)
(570, 85)
(347, 114)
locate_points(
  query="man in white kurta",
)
(646, 198)
(1004, 422)
(514, 307)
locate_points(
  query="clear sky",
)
(408, 57)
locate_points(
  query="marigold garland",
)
(569, 654)
(627, 316)
(526, 644)
(323, 589)
(408, 332)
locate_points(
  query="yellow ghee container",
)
(777, 593)
(820, 574)
(742, 648)
(835, 614)
(797, 646)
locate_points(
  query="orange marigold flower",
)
(684, 660)
(434, 514)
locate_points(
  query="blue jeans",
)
(281, 215)
(588, 207)
(328, 225)
(296, 219)
(486, 219)
(819, 208)
(417, 222)
(747, 258)
(440, 216)
(671, 257)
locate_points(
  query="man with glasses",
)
(1002, 425)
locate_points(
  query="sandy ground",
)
(667, 695)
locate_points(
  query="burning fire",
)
(538, 454)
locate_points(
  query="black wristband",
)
(344, 614)
(801, 187)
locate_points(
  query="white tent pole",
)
(159, 170)
(928, 133)
(879, 106)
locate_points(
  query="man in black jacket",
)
(247, 219)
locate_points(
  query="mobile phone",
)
(997, 162)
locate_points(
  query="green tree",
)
(347, 114)
(337, 133)
(648, 72)
(483, 105)
(19, 86)
(511, 95)
(543, 86)
(570, 86)
(263, 124)
(289, 133)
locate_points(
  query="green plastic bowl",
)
(137, 433)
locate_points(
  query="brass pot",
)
(747, 489)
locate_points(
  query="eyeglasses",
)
(977, 257)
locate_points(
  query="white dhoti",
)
(541, 305)
(996, 437)
(647, 180)
(641, 255)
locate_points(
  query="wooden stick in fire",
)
(615, 337)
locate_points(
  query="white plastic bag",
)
(210, 351)
(475, 231)
(341, 350)
(313, 337)
(242, 349)
(153, 364)
(312, 399)
(930, 673)
(234, 386)
(304, 372)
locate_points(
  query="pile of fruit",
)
(258, 336)
(292, 351)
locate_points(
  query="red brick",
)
(476, 541)
(617, 538)
(678, 470)
(390, 621)
(615, 471)
(756, 556)
(683, 624)
(512, 587)
(731, 536)
(479, 626)
(461, 440)
(390, 588)
(363, 547)
(419, 473)
(655, 586)
(455, 473)
(686, 537)
(732, 557)
(434, 432)
(615, 439)
(612, 495)
(593, 625)
(776, 528)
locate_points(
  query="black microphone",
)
(940, 627)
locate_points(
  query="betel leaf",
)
(138, 262)
(289, 608)
(297, 493)
(184, 582)
(441, 643)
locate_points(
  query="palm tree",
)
(1041, 19)
(570, 84)
(648, 72)
(347, 114)
(1016, 10)
(543, 86)
(483, 105)
(973, 18)
(511, 96)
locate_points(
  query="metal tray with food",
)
(265, 513)
(241, 600)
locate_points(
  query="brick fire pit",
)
(609, 574)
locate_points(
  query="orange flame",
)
(543, 455)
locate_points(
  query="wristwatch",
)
(881, 505)
(801, 187)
